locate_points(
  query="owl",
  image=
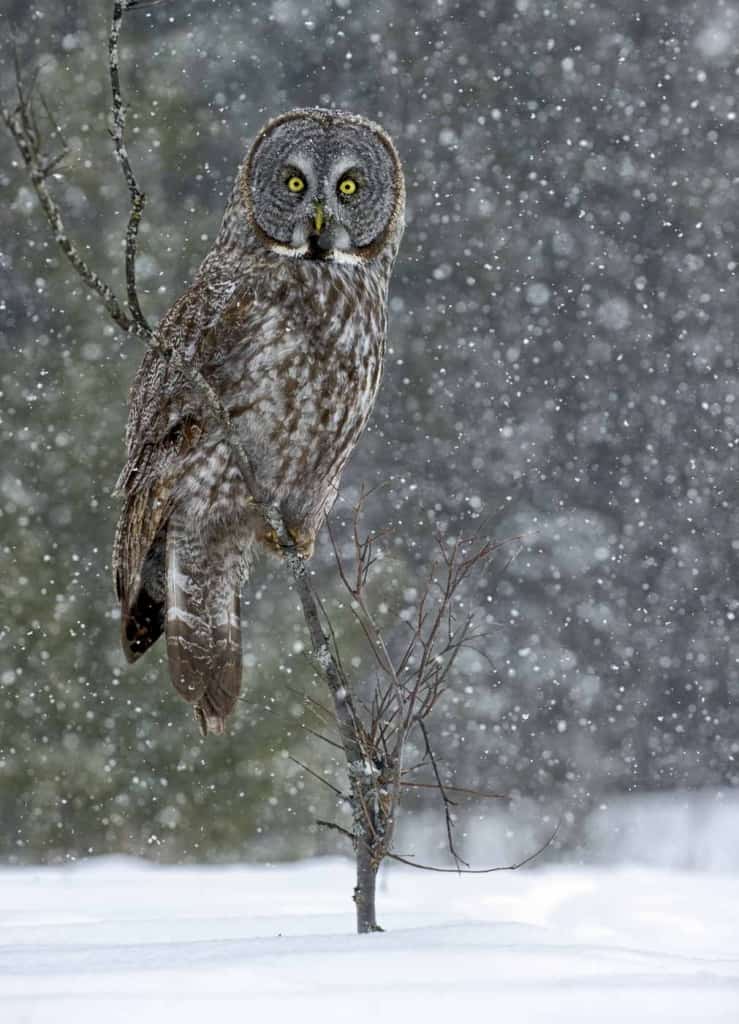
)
(286, 320)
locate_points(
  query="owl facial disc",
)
(322, 185)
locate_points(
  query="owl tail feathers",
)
(203, 630)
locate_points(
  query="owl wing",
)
(166, 421)
(157, 440)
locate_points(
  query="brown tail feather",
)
(203, 630)
(224, 685)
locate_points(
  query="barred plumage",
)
(286, 320)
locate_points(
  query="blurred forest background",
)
(562, 365)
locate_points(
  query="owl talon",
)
(272, 541)
(304, 542)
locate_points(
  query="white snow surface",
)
(113, 939)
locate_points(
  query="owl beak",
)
(318, 217)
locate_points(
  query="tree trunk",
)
(364, 892)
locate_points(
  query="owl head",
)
(324, 185)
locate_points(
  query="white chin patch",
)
(289, 250)
(339, 256)
(299, 251)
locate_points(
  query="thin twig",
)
(447, 802)
(478, 871)
(320, 778)
(320, 736)
(336, 828)
(455, 789)
(319, 710)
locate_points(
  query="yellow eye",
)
(295, 183)
(347, 187)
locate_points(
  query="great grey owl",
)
(286, 320)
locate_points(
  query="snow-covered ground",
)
(114, 940)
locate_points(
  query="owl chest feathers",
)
(296, 356)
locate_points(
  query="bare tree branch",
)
(320, 736)
(137, 197)
(138, 5)
(481, 793)
(336, 828)
(318, 709)
(21, 123)
(442, 791)
(479, 871)
(334, 789)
